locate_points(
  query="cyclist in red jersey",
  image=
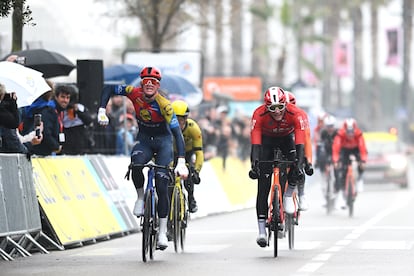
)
(308, 143)
(348, 141)
(276, 124)
(316, 139)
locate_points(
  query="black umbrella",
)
(51, 64)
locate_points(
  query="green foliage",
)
(262, 12)
(5, 7)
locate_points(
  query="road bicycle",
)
(350, 191)
(329, 177)
(179, 214)
(278, 221)
(149, 221)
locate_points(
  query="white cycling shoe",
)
(162, 242)
(139, 208)
(303, 204)
(288, 205)
(340, 201)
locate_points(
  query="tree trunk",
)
(357, 99)
(375, 89)
(406, 97)
(219, 52)
(236, 37)
(260, 55)
(17, 26)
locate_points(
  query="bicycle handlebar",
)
(147, 165)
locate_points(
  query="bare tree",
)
(21, 15)
(218, 31)
(158, 19)
(236, 37)
(260, 52)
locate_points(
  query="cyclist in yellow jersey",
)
(193, 146)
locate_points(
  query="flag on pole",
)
(393, 39)
(342, 59)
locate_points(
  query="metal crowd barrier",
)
(20, 224)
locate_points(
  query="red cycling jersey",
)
(293, 121)
(342, 140)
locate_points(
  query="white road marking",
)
(322, 257)
(386, 245)
(313, 265)
(310, 267)
(343, 242)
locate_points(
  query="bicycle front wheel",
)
(275, 220)
(146, 228)
(154, 227)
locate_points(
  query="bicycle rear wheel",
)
(350, 197)
(176, 219)
(275, 220)
(184, 221)
(329, 192)
(146, 228)
(290, 225)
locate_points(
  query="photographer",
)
(9, 114)
(10, 139)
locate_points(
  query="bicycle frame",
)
(149, 221)
(329, 189)
(275, 220)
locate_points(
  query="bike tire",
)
(154, 227)
(350, 198)
(146, 229)
(276, 221)
(290, 225)
(176, 219)
(329, 193)
(184, 221)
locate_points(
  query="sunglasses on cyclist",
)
(150, 81)
(276, 107)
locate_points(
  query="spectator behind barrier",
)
(76, 123)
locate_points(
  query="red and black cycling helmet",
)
(290, 97)
(350, 125)
(275, 99)
(150, 72)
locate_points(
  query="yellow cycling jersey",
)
(193, 140)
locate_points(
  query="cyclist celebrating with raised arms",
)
(276, 124)
(193, 140)
(157, 125)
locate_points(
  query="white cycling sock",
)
(262, 226)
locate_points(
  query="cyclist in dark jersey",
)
(158, 125)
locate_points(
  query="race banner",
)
(393, 39)
(342, 59)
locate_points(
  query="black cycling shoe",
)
(262, 240)
(193, 206)
(169, 235)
